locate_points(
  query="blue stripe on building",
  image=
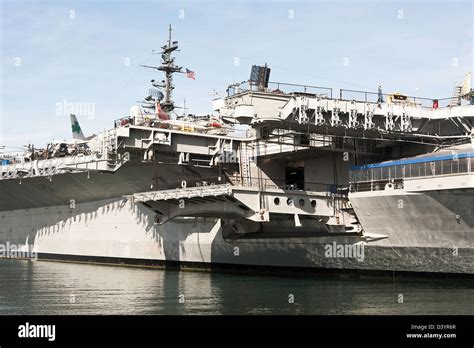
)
(414, 160)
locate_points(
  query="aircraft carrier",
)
(279, 176)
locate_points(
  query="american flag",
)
(190, 74)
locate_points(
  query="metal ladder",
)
(456, 96)
(244, 164)
(110, 147)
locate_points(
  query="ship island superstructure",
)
(275, 177)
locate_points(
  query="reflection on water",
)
(61, 288)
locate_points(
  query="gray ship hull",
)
(119, 231)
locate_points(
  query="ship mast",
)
(169, 68)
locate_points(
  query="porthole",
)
(289, 202)
(313, 203)
(276, 201)
(301, 202)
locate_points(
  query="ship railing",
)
(187, 126)
(141, 121)
(80, 158)
(123, 121)
(373, 97)
(44, 167)
(344, 94)
(193, 182)
(279, 88)
(365, 179)
(379, 185)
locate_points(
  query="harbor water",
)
(45, 288)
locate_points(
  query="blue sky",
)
(47, 57)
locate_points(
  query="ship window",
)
(396, 172)
(445, 167)
(377, 174)
(361, 175)
(313, 203)
(276, 201)
(452, 167)
(423, 169)
(355, 175)
(432, 168)
(456, 166)
(301, 202)
(463, 165)
(415, 169)
(385, 173)
(289, 202)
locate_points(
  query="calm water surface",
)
(39, 287)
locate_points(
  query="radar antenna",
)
(169, 68)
